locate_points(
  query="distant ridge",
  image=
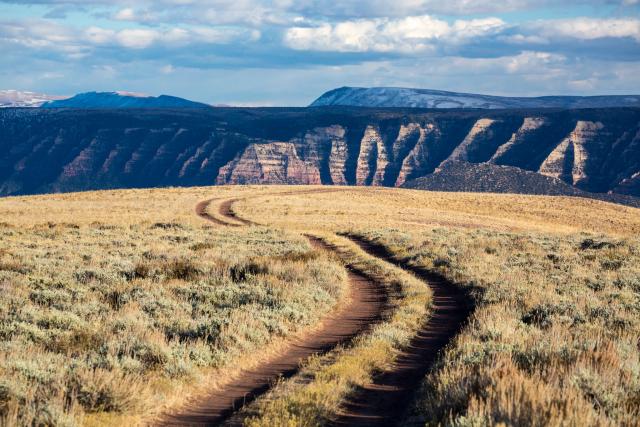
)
(385, 97)
(467, 177)
(15, 98)
(122, 100)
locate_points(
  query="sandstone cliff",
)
(66, 150)
(273, 163)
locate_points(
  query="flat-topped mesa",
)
(569, 160)
(46, 150)
(270, 163)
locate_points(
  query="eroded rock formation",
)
(272, 163)
(569, 161)
(66, 150)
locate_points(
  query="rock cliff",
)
(594, 150)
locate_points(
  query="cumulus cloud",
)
(445, 41)
(137, 38)
(45, 35)
(487, 36)
(410, 34)
(590, 28)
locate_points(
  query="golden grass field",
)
(556, 283)
(114, 302)
(105, 293)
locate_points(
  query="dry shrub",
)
(100, 390)
(113, 315)
(553, 339)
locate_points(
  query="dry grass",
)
(316, 395)
(414, 210)
(111, 315)
(129, 290)
(120, 207)
(554, 338)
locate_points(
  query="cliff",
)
(592, 150)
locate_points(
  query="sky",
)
(287, 53)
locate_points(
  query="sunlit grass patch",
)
(553, 340)
(108, 317)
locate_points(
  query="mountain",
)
(122, 100)
(15, 98)
(386, 97)
(547, 151)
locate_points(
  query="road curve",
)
(363, 308)
(386, 400)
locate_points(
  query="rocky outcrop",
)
(480, 132)
(630, 185)
(66, 150)
(273, 163)
(317, 147)
(338, 161)
(490, 178)
(304, 160)
(528, 128)
(417, 156)
(372, 155)
(570, 160)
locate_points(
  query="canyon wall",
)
(595, 150)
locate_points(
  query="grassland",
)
(316, 396)
(116, 301)
(556, 283)
(117, 304)
(412, 210)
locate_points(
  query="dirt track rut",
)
(363, 309)
(386, 400)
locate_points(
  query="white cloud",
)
(410, 34)
(529, 61)
(590, 28)
(77, 43)
(126, 14)
(137, 38)
(97, 35)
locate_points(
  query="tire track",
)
(366, 302)
(385, 402)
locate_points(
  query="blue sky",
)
(286, 52)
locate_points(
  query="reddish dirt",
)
(227, 211)
(363, 309)
(386, 400)
(201, 211)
